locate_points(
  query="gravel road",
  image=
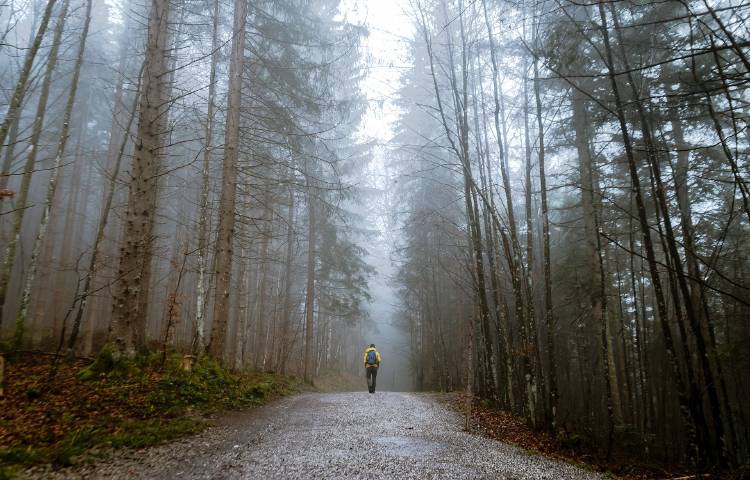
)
(341, 435)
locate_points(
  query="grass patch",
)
(108, 403)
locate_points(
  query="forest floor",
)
(334, 436)
(508, 428)
(90, 409)
(146, 419)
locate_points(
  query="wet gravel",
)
(342, 435)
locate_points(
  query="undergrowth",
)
(108, 403)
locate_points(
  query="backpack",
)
(372, 357)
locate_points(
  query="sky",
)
(389, 26)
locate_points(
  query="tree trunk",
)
(201, 294)
(688, 408)
(28, 171)
(14, 108)
(9, 154)
(472, 208)
(597, 294)
(102, 225)
(697, 291)
(260, 343)
(549, 320)
(502, 319)
(129, 309)
(310, 292)
(286, 320)
(513, 251)
(56, 166)
(700, 341)
(225, 234)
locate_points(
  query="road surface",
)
(342, 435)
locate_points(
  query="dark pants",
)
(372, 374)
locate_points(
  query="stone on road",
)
(342, 435)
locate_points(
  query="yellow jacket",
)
(377, 356)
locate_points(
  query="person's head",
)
(372, 345)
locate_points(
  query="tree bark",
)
(513, 250)
(310, 292)
(201, 294)
(28, 171)
(102, 225)
(260, 343)
(225, 238)
(688, 408)
(9, 154)
(697, 291)
(700, 341)
(286, 320)
(14, 108)
(56, 166)
(129, 309)
(549, 320)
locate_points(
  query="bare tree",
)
(53, 180)
(29, 165)
(21, 88)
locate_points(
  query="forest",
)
(174, 183)
(581, 215)
(561, 191)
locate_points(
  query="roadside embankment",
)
(87, 408)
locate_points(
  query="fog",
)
(544, 205)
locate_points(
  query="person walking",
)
(372, 363)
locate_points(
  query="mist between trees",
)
(180, 175)
(567, 182)
(575, 180)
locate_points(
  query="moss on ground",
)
(108, 403)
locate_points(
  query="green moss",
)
(154, 432)
(171, 393)
(108, 364)
(8, 473)
(19, 331)
(210, 386)
(129, 434)
(176, 388)
(18, 455)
